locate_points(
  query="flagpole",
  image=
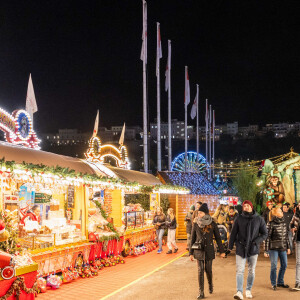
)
(145, 123)
(169, 108)
(197, 125)
(158, 99)
(206, 136)
(210, 141)
(213, 151)
(185, 124)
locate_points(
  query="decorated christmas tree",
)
(9, 223)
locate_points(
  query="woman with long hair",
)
(277, 245)
(202, 247)
(159, 222)
(171, 225)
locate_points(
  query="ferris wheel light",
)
(193, 164)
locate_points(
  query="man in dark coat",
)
(188, 223)
(288, 215)
(248, 232)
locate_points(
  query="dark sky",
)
(84, 55)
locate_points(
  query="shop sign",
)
(42, 198)
(70, 196)
(10, 199)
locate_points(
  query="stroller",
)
(224, 239)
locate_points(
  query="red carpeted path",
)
(112, 279)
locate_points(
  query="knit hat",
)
(192, 207)
(269, 203)
(204, 208)
(248, 202)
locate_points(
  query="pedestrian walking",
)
(202, 247)
(159, 221)
(188, 223)
(230, 218)
(277, 245)
(295, 229)
(171, 224)
(197, 206)
(248, 232)
(288, 215)
(267, 211)
(220, 215)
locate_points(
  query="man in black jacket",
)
(188, 223)
(288, 215)
(248, 232)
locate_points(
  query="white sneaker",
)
(238, 296)
(248, 294)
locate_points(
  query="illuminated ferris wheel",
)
(193, 165)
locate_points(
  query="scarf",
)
(205, 221)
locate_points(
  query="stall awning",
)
(21, 154)
(135, 176)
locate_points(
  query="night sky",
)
(85, 55)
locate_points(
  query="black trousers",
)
(204, 265)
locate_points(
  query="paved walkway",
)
(178, 281)
(113, 279)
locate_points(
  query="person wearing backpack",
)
(171, 224)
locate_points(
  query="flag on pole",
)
(96, 124)
(144, 35)
(194, 107)
(122, 136)
(168, 68)
(31, 106)
(158, 48)
(187, 88)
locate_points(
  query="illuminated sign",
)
(97, 153)
(17, 128)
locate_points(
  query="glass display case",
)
(134, 219)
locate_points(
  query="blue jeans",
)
(297, 262)
(274, 254)
(240, 269)
(291, 240)
(159, 236)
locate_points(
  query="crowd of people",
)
(276, 231)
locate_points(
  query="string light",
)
(195, 182)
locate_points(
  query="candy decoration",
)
(54, 281)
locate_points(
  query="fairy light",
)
(196, 182)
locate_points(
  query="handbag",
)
(199, 245)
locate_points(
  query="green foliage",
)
(164, 203)
(109, 225)
(143, 199)
(245, 183)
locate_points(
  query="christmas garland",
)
(17, 287)
(109, 225)
(89, 179)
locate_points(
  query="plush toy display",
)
(6, 268)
